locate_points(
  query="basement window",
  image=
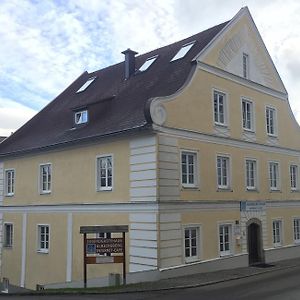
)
(86, 85)
(183, 51)
(145, 66)
(81, 117)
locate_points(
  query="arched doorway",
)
(255, 249)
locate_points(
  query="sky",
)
(45, 45)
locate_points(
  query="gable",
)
(242, 37)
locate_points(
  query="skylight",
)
(81, 117)
(147, 63)
(87, 83)
(183, 51)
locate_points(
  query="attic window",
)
(81, 117)
(87, 83)
(183, 51)
(148, 63)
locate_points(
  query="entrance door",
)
(254, 243)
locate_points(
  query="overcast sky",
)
(45, 45)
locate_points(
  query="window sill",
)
(220, 189)
(45, 192)
(7, 247)
(43, 251)
(275, 191)
(252, 190)
(9, 195)
(193, 188)
(226, 255)
(295, 191)
(104, 190)
(277, 245)
(191, 259)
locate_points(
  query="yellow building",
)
(193, 146)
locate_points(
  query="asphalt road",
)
(281, 284)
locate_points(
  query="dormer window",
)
(87, 83)
(145, 66)
(81, 117)
(183, 51)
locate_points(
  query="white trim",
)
(24, 248)
(225, 104)
(196, 169)
(98, 186)
(281, 232)
(278, 183)
(253, 120)
(38, 249)
(296, 241)
(231, 251)
(228, 170)
(256, 181)
(294, 189)
(40, 183)
(242, 81)
(275, 121)
(4, 235)
(214, 139)
(198, 227)
(6, 194)
(69, 247)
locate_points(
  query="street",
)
(282, 284)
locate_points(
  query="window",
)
(43, 238)
(105, 235)
(274, 175)
(9, 182)
(294, 177)
(225, 239)
(271, 121)
(188, 169)
(8, 235)
(86, 84)
(45, 178)
(145, 66)
(297, 230)
(183, 51)
(104, 173)
(251, 174)
(81, 117)
(245, 65)
(223, 172)
(220, 108)
(191, 247)
(247, 112)
(277, 233)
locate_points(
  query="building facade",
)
(196, 149)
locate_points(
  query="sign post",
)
(94, 249)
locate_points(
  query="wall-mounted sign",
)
(104, 245)
(252, 206)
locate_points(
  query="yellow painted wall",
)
(196, 101)
(73, 175)
(209, 222)
(207, 173)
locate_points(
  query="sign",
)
(252, 206)
(104, 245)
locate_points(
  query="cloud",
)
(13, 115)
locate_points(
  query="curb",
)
(207, 283)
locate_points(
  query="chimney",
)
(129, 62)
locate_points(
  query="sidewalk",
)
(182, 282)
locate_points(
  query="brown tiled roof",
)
(115, 105)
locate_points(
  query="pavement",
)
(182, 282)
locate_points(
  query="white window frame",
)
(8, 241)
(86, 84)
(255, 179)
(81, 117)
(225, 109)
(245, 63)
(296, 230)
(98, 175)
(271, 127)
(228, 172)
(48, 181)
(229, 251)
(148, 63)
(277, 232)
(9, 182)
(44, 249)
(294, 177)
(271, 176)
(245, 115)
(194, 154)
(183, 51)
(197, 256)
